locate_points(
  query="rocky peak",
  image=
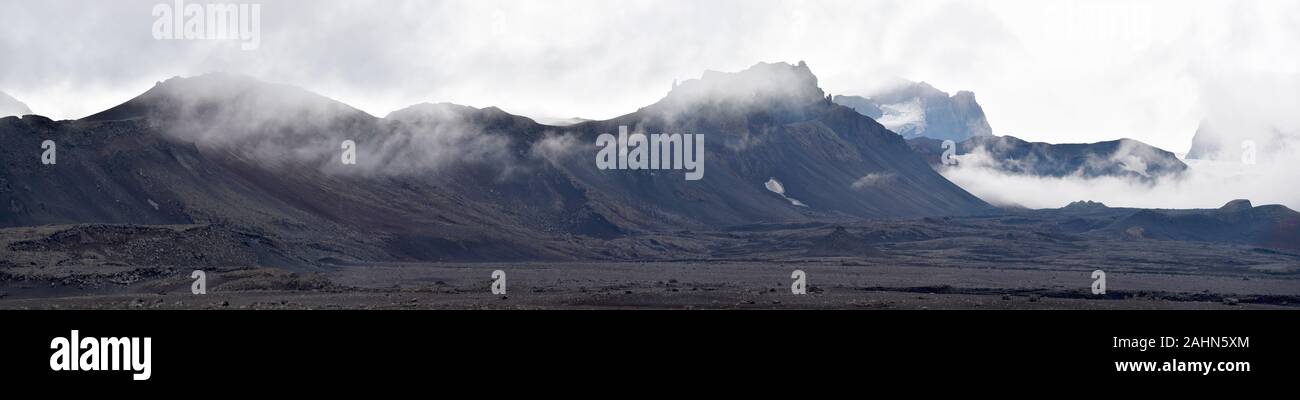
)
(10, 106)
(1236, 205)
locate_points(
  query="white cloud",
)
(1206, 184)
(1056, 71)
(873, 180)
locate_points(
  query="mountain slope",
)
(172, 156)
(771, 121)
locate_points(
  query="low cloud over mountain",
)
(1124, 158)
(1008, 172)
(445, 182)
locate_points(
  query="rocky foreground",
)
(1024, 260)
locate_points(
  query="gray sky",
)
(1058, 71)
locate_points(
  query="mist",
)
(1054, 71)
(283, 126)
(1257, 108)
(1205, 184)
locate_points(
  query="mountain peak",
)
(10, 106)
(1236, 205)
(425, 110)
(916, 109)
(240, 94)
(965, 95)
(218, 77)
(426, 113)
(1085, 205)
(763, 83)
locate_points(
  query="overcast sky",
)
(1058, 71)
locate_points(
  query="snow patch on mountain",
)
(775, 186)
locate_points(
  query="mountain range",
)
(259, 164)
(289, 199)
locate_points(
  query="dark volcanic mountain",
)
(919, 110)
(770, 122)
(1122, 158)
(262, 162)
(10, 106)
(1237, 222)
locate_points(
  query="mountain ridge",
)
(1120, 158)
(449, 182)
